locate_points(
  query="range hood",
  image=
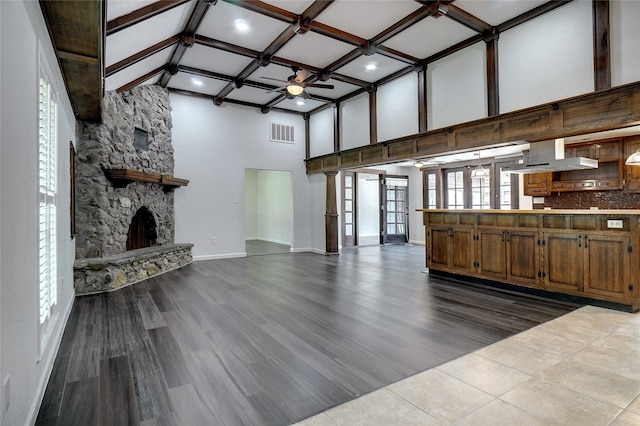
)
(548, 156)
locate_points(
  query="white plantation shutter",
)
(47, 200)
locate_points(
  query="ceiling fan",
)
(295, 84)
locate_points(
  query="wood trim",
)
(422, 99)
(601, 52)
(493, 86)
(331, 215)
(140, 80)
(336, 128)
(142, 14)
(531, 14)
(464, 18)
(373, 116)
(120, 65)
(593, 112)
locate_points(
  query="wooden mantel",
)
(120, 178)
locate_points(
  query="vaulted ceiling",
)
(201, 46)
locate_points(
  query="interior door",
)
(396, 215)
(349, 212)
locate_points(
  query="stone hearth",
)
(96, 275)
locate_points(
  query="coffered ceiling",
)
(353, 45)
(201, 46)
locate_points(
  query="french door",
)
(349, 209)
(396, 215)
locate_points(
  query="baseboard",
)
(417, 242)
(219, 256)
(307, 250)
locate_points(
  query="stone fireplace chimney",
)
(104, 212)
(134, 136)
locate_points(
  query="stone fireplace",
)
(124, 193)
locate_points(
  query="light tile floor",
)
(580, 369)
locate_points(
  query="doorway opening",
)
(268, 212)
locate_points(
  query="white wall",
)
(624, 39)
(548, 58)
(457, 87)
(22, 31)
(268, 195)
(213, 147)
(397, 103)
(321, 129)
(354, 120)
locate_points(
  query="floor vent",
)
(282, 133)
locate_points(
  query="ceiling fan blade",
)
(306, 95)
(275, 79)
(277, 89)
(321, 86)
(302, 76)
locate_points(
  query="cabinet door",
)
(537, 184)
(491, 253)
(523, 260)
(607, 271)
(563, 262)
(461, 242)
(438, 247)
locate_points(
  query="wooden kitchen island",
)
(592, 254)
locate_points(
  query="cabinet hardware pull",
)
(586, 238)
(579, 240)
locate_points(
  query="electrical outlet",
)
(614, 223)
(6, 395)
(213, 240)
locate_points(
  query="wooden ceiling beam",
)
(143, 54)
(354, 54)
(462, 17)
(452, 49)
(188, 39)
(142, 14)
(418, 15)
(266, 9)
(397, 55)
(531, 14)
(227, 47)
(141, 80)
(76, 31)
(336, 34)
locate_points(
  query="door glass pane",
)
(348, 205)
(348, 193)
(348, 230)
(348, 217)
(391, 229)
(348, 181)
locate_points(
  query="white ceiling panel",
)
(299, 104)
(341, 89)
(314, 49)
(118, 8)
(253, 95)
(383, 67)
(189, 82)
(496, 12)
(207, 58)
(137, 70)
(429, 36)
(376, 15)
(295, 6)
(135, 38)
(220, 23)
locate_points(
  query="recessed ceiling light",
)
(300, 102)
(196, 82)
(371, 67)
(241, 25)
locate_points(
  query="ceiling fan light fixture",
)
(480, 172)
(295, 90)
(634, 159)
(418, 164)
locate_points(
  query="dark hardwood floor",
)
(261, 248)
(270, 340)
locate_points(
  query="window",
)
(481, 193)
(504, 190)
(431, 189)
(47, 143)
(455, 189)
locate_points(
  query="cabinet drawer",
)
(537, 191)
(609, 184)
(561, 185)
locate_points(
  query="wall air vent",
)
(282, 133)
